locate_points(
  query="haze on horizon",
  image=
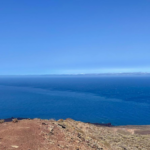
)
(77, 36)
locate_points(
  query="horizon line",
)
(107, 73)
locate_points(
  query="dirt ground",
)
(68, 134)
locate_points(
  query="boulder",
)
(2, 121)
(15, 120)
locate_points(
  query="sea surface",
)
(98, 99)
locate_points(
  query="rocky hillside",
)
(68, 134)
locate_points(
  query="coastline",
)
(96, 124)
(19, 118)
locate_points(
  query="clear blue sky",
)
(74, 36)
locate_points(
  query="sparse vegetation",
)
(72, 135)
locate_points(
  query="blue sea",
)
(96, 99)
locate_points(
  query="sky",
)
(74, 36)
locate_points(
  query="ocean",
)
(120, 100)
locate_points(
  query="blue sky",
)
(74, 36)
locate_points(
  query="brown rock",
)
(60, 120)
(2, 121)
(15, 120)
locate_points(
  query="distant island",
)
(86, 74)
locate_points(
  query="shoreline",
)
(96, 124)
(19, 118)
